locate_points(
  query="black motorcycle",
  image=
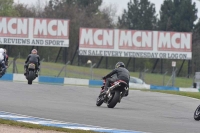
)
(115, 92)
(2, 71)
(197, 113)
(31, 73)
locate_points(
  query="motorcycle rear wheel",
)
(30, 77)
(197, 113)
(115, 99)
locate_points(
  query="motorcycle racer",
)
(33, 58)
(2, 62)
(119, 73)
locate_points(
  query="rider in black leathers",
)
(33, 58)
(6, 59)
(119, 73)
(2, 62)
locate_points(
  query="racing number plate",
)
(31, 66)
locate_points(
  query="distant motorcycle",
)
(197, 113)
(31, 73)
(2, 72)
(113, 95)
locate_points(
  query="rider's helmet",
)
(34, 51)
(1, 50)
(119, 64)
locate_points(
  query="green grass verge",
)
(84, 72)
(40, 127)
(188, 94)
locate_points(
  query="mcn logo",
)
(50, 28)
(13, 27)
(96, 38)
(34, 28)
(172, 41)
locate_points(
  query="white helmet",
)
(34, 51)
(1, 50)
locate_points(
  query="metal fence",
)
(88, 71)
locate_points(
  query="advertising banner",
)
(135, 43)
(34, 32)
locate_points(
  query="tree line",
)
(174, 15)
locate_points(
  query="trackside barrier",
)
(53, 80)
(86, 82)
(189, 90)
(139, 86)
(154, 87)
(21, 78)
(8, 77)
(75, 81)
(95, 82)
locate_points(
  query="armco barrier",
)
(86, 82)
(154, 87)
(189, 90)
(95, 82)
(21, 77)
(53, 80)
(75, 81)
(8, 77)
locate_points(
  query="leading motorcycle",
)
(31, 73)
(115, 92)
(197, 113)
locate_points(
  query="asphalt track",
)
(141, 111)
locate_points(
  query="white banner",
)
(132, 43)
(34, 32)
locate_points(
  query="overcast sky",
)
(120, 4)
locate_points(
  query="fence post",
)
(143, 75)
(39, 73)
(164, 78)
(173, 76)
(64, 67)
(14, 64)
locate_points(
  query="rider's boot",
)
(36, 74)
(3, 71)
(104, 91)
(126, 93)
(24, 72)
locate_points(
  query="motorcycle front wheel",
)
(197, 113)
(100, 100)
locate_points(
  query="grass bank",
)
(187, 94)
(40, 127)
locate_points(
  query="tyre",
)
(30, 82)
(197, 113)
(31, 76)
(114, 100)
(99, 101)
